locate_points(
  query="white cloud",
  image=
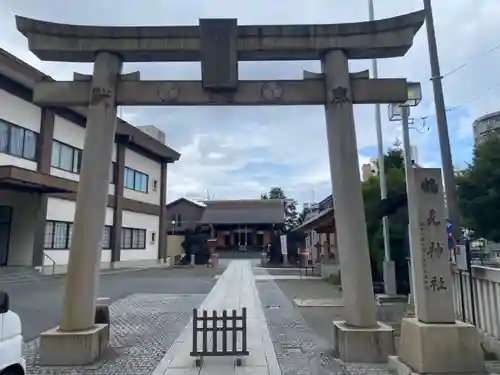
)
(238, 152)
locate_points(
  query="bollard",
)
(192, 259)
(263, 259)
(102, 315)
(102, 311)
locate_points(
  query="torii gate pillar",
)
(354, 338)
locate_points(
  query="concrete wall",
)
(22, 226)
(64, 210)
(151, 168)
(23, 114)
(73, 135)
(174, 247)
(142, 221)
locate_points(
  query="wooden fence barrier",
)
(229, 326)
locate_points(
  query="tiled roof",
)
(247, 211)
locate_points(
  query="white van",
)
(11, 340)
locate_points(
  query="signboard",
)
(433, 279)
(461, 257)
(284, 249)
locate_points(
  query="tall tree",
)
(274, 193)
(291, 214)
(396, 186)
(302, 217)
(479, 191)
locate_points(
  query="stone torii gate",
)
(219, 44)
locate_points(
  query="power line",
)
(472, 60)
(454, 108)
(449, 73)
(458, 68)
(465, 64)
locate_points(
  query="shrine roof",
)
(244, 211)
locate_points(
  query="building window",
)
(66, 157)
(58, 235)
(106, 238)
(135, 180)
(17, 141)
(133, 238)
(177, 220)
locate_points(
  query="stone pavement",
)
(143, 326)
(39, 303)
(235, 289)
(299, 348)
(152, 333)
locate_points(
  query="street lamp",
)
(401, 112)
(173, 226)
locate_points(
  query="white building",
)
(40, 161)
(486, 125)
(414, 155)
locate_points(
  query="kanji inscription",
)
(431, 219)
(432, 269)
(435, 250)
(339, 95)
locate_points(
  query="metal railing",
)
(52, 261)
(229, 326)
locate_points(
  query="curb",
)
(61, 275)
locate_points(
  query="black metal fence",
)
(228, 325)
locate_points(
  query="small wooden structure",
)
(229, 326)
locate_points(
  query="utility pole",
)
(410, 198)
(388, 267)
(450, 185)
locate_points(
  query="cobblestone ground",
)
(39, 303)
(298, 348)
(143, 327)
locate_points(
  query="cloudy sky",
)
(234, 152)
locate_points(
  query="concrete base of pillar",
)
(363, 345)
(438, 349)
(389, 269)
(75, 348)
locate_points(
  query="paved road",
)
(39, 303)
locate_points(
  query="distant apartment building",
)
(368, 170)
(486, 125)
(371, 169)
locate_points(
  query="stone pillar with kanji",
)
(433, 342)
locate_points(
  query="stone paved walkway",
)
(235, 289)
(152, 333)
(143, 326)
(299, 349)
